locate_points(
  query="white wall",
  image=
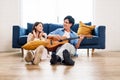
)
(106, 12)
(9, 15)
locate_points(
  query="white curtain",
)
(54, 11)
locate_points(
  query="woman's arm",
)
(30, 37)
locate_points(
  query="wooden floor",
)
(100, 66)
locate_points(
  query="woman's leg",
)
(44, 54)
(29, 56)
(38, 54)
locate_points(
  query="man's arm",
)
(79, 41)
(55, 37)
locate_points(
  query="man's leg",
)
(67, 58)
(54, 58)
(71, 49)
(65, 52)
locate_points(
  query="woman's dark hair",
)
(70, 19)
(35, 24)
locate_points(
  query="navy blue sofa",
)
(19, 36)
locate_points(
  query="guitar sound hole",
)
(51, 42)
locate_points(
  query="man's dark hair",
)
(70, 19)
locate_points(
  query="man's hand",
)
(79, 41)
(58, 37)
(81, 37)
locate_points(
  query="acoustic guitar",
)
(54, 44)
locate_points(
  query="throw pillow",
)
(34, 44)
(85, 29)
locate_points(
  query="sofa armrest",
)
(17, 32)
(100, 32)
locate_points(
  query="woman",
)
(40, 52)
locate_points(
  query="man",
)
(63, 53)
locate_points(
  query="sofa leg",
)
(22, 50)
(88, 52)
(93, 50)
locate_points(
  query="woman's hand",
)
(34, 34)
(41, 34)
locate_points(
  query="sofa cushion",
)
(46, 27)
(85, 29)
(29, 27)
(22, 40)
(75, 27)
(90, 41)
(52, 27)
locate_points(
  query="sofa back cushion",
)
(29, 27)
(46, 27)
(52, 27)
(49, 27)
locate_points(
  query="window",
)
(54, 11)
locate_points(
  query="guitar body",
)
(54, 44)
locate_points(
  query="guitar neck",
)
(69, 38)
